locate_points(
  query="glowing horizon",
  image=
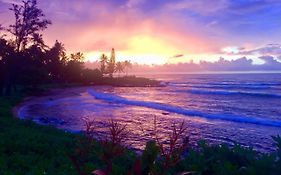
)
(160, 32)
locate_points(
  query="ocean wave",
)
(227, 86)
(22, 112)
(182, 111)
(217, 92)
(247, 84)
(232, 87)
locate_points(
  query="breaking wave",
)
(228, 86)
(218, 92)
(179, 110)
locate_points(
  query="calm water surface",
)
(220, 108)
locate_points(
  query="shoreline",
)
(58, 92)
(66, 124)
(48, 134)
(70, 90)
(126, 81)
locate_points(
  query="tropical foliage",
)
(26, 148)
(26, 61)
(111, 66)
(176, 157)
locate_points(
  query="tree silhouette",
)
(119, 67)
(90, 76)
(111, 63)
(34, 71)
(7, 65)
(26, 61)
(23, 52)
(127, 66)
(74, 67)
(29, 21)
(56, 61)
(1, 29)
(5, 50)
(39, 42)
(77, 57)
(103, 62)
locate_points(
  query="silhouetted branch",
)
(29, 20)
(178, 143)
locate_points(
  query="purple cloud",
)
(178, 56)
(272, 50)
(240, 64)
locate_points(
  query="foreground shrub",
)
(106, 156)
(221, 159)
(111, 156)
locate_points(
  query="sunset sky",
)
(163, 31)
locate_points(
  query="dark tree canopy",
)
(29, 22)
(55, 61)
(103, 61)
(119, 67)
(111, 66)
(27, 62)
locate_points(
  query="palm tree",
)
(77, 57)
(127, 65)
(119, 67)
(103, 62)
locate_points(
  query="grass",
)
(30, 149)
(27, 148)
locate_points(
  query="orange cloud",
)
(95, 26)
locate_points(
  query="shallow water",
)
(229, 108)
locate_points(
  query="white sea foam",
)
(227, 86)
(219, 92)
(183, 111)
(22, 112)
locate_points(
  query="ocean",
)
(219, 108)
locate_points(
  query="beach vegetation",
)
(176, 156)
(28, 67)
(27, 62)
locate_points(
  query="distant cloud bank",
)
(270, 63)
